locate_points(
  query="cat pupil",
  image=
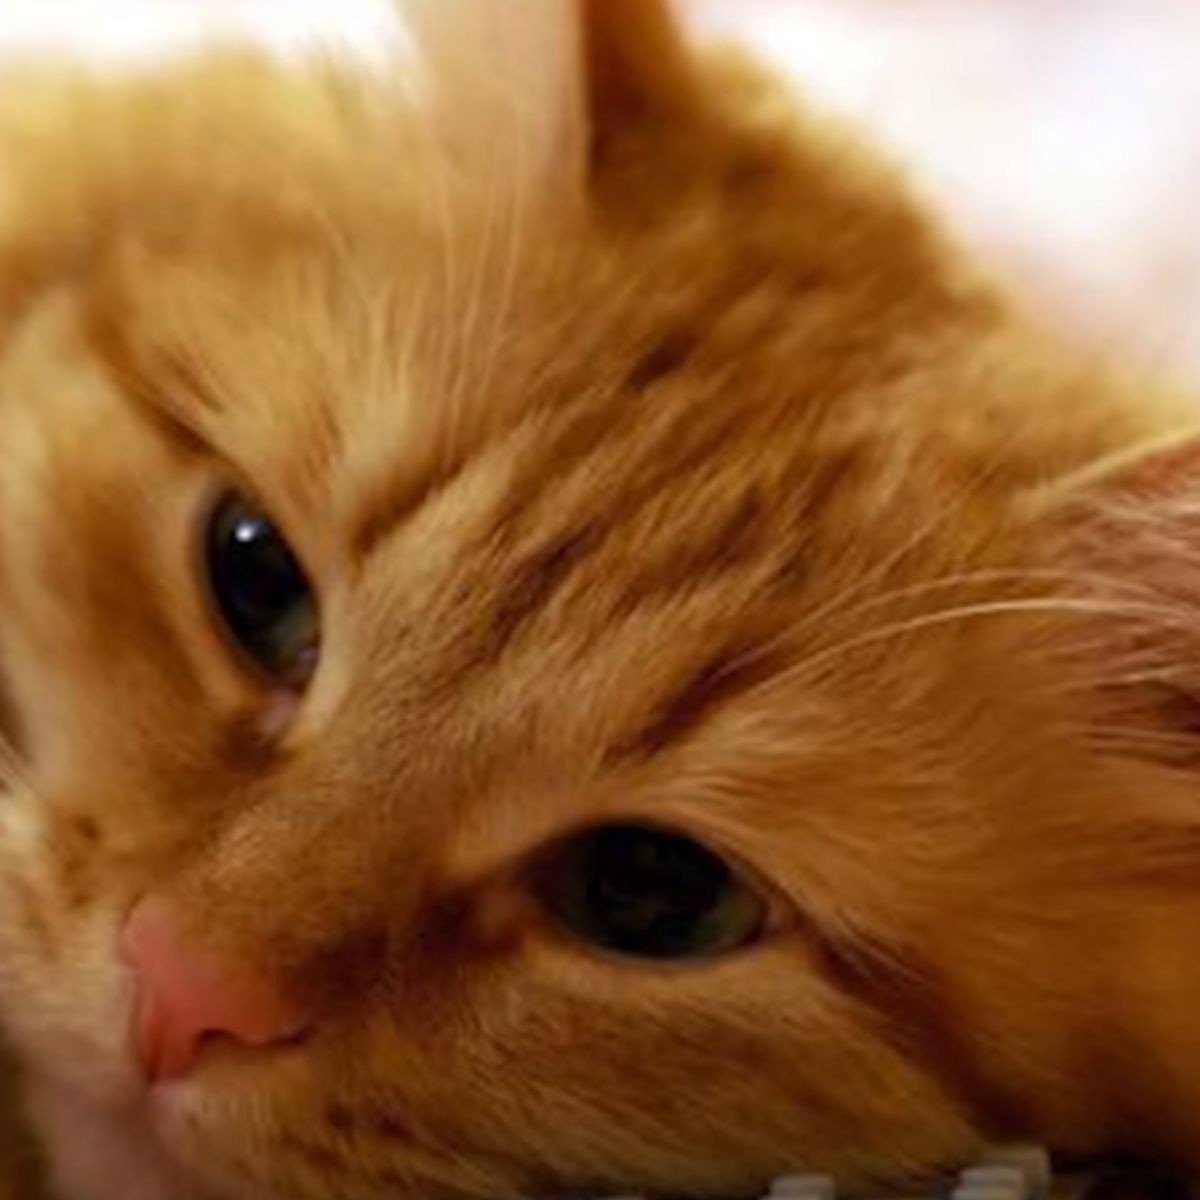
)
(263, 596)
(652, 894)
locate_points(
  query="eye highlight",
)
(264, 599)
(643, 892)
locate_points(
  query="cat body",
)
(682, 479)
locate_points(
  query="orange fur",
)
(706, 487)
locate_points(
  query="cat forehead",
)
(561, 385)
(332, 276)
(657, 417)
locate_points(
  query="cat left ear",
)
(1142, 507)
(1154, 486)
(1132, 548)
(639, 77)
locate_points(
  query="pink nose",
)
(187, 997)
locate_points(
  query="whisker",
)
(1054, 605)
(1150, 737)
(513, 235)
(918, 537)
(443, 346)
(924, 588)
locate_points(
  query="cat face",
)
(572, 669)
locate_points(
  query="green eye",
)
(650, 894)
(264, 598)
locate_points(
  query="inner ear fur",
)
(639, 75)
(1132, 544)
(646, 127)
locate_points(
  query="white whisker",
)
(1053, 605)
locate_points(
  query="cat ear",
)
(500, 80)
(1150, 470)
(558, 94)
(1133, 503)
(1136, 515)
(1131, 559)
(639, 79)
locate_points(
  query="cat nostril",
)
(186, 997)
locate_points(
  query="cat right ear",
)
(550, 96)
(639, 79)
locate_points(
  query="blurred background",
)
(1060, 137)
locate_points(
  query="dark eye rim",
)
(775, 916)
(215, 498)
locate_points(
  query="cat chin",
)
(99, 1153)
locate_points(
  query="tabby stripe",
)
(404, 500)
(731, 672)
(12, 728)
(531, 583)
(589, 423)
(155, 387)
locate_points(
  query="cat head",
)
(537, 656)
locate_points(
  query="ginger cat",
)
(628, 671)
